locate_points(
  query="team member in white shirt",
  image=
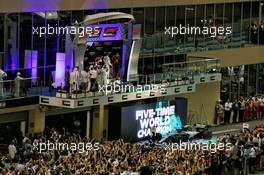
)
(228, 107)
(88, 77)
(83, 80)
(12, 151)
(17, 84)
(74, 80)
(107, 65)
(105, 75)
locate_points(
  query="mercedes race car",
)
(189, 133)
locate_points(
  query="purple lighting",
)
(98, 4)
(60, 69)
(68, 52)
(34, 63)
(31, 62)
(40, 6)
(14, 60)
(7, 60)
(55, 5)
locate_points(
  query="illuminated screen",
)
(167, 117)
(110, 31)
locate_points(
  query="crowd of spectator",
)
(119, 157)
(239, 110)
(256, 30)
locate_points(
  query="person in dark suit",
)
(67, 79)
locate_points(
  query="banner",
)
(165, 117)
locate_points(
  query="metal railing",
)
(174, 74)
(24, 87)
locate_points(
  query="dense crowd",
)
(256, 33)
(119, 157)
(239, 110)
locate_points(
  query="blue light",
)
(60, 69)
(40, 6)
(175, 119)
(98, 4)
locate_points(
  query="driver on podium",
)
(74, 80)
(83, 80)
(107, 64)
(88, 79)
(2, 75)
(105, 75)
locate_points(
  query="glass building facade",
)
(245, 18)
